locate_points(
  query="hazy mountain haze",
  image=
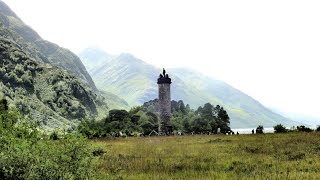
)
(268, 50)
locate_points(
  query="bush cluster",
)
(304, 129)
(279, 128)
(26, 153)
(259, 129)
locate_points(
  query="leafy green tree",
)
(188, 109)
(92, 128)
(222, 119)
(201, 125)
(216, 116)
(187, 125)
(182, 107)
(205, 119)
(121, 120)
(177, 121)
(207, 111)
(117, 115)
(178, 106)
(148, 122)
(318, 129)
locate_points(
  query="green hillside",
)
(45, 82)
(115, 102)
(51, 96)
(135, 81)
(118, 75)
(39, 49)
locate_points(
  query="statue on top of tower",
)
(164, 77)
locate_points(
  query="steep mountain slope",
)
(135, 81)
(41, 79)
(49, 95)
(39, 49)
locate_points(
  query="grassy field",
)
(265, 156)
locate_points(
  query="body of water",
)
(249, 131)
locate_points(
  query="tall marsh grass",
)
(265, 156)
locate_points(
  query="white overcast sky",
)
(268, 49)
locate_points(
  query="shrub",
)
(279, 128)
(92, 129)
(26, 153)
(30, 157)
(318, 128)
(304, 129)
(259, 129)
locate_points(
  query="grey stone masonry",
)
(165, 127)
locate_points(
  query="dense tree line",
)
(135, 121)
(279, 128)
(144, 119)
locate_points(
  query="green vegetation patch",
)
(28, 153)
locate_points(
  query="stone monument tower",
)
(164, 82)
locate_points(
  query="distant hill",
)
(135, 81)
(39, 49)
(99, 56)
(115, 102)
